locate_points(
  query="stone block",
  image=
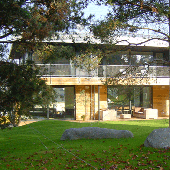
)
(158, 138)
(94, 133)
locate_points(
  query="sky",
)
(99, 11)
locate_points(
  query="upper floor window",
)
(128, 58)
(63, 60)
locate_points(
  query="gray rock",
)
(158, 138)
(94, 133)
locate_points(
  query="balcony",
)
(68, 70)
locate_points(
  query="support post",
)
(94, 102)
(130, 107)
(50, 73)
(91, 103)
(48, 112)
(99, 103)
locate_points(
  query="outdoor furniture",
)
(126, 111)
(151, 113)
(139, 112)
(125, 116)
(145, 113)
(109, 114)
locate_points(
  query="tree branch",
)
(136, 44)
(157, 31)
(16, 41)
(6, 35)
(142, 6)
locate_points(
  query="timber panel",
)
(87, 101)
(161, 100)
(82, 102)
(102, 81)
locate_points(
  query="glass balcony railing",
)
(68, 70)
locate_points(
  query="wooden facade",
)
(89, 101)
(91, 95)
(161, 100)
(101, 81)
(90, 90)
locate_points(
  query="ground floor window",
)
(63, 107)
(65, 102)
(122, 97)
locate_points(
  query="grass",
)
(38, 146)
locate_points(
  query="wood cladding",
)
(161, 100)
(101, 81)
(87, 101)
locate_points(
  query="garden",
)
(38, 146)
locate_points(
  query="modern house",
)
(129, 76)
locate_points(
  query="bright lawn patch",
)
(38, 146)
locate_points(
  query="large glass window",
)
(140, 58)
(59, 105)
(147, 97)
(63, 107)
(120, 97)
(128, 58)
(64, 104)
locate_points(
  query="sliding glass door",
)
(65, 102)
(121, 97)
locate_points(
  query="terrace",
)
(68, 70)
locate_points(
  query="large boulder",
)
(94, 133)
(158, 138)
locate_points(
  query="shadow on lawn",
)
(28, 152)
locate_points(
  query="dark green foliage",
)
(21, 89)
(27, 23)
(133, 15)
(50, 53)
(36, 20)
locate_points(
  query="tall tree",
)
(26, 23)
(20, 90)
(34, 20)
(151, 17)
(132, 16)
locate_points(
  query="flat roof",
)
(123, 40)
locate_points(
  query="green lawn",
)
(38, 146)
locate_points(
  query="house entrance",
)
(65, 102)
